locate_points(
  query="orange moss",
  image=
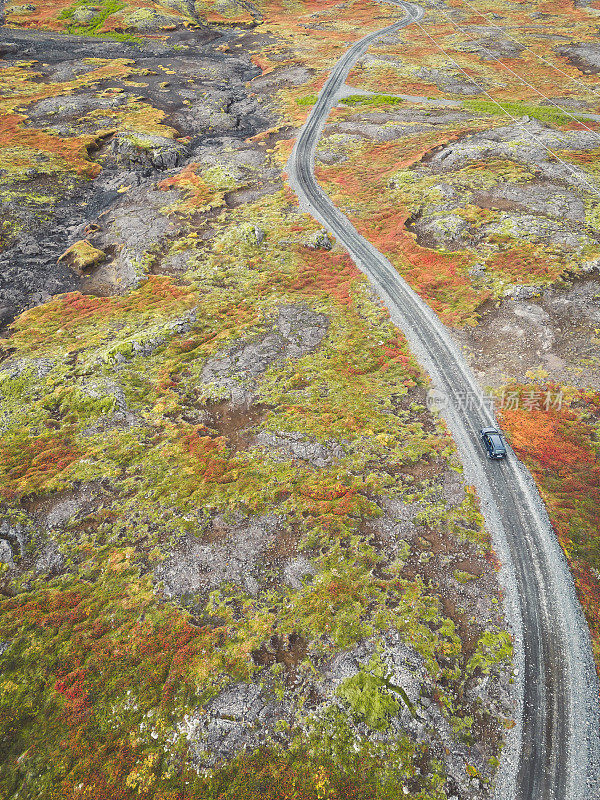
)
(45, 15)
(558, 445)
(60, 321)
(440, 278)
(210, 458)
(31, 465)
(322, 271)
(199, 194)
(563, 7)
(74, 150)
(522, 263)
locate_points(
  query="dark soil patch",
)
(586, 57)
(289, 650)
(490, 201)
(444, 556)
(555, 330)
(236, 424)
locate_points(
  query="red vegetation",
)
(210, 457)
(29, 466)
(73, 150)
(558, 446)
(440, 278)
(67, 313)
(522, 263)
(84, 644)
(199, 193)
(322, 272)
(332, 505)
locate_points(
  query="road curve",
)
(554, 751)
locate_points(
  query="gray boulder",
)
(242, 717)
(6, 554)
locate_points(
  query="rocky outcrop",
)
(197, 566)
(82, 256)
(247, 715)
(148, 152)
(296, 446)
(297, 331)
(243, 717)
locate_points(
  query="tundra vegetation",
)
(238, 555)
(561, 448)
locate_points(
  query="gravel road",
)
(553, 753)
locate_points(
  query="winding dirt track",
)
(554, 751)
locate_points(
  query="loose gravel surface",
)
(554, 750)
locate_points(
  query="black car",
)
(492, 441)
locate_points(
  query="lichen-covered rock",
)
(132, 228)
(295, 445)
(494, 47)
(6, 553)
(148, 152)
(297, 570)
(320, 241)
(50, 561)
(147, 19)
(14, 533)
(82, 256)
(242, 717)
(586, 56)
(450, 82)
(85, 14)
(209, 114)
(196, 566)
(70, 108)
(527, 141)
(297, 331)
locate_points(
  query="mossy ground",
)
(109, 18)
(110, 664)
(560, 445)
(80, 637)
(28, 151)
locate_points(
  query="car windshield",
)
(496, 441)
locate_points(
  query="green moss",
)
(220, 177)
(371, 695)
(464, 577)
(106, 8)
(94, 26)
(167, 471)
(373, 100)
(307, 100)
(549, 114)
(330, 760)
(493, 648)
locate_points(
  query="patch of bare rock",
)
(296, 331)
(245, 716)
(196, 567)
(552, 328)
